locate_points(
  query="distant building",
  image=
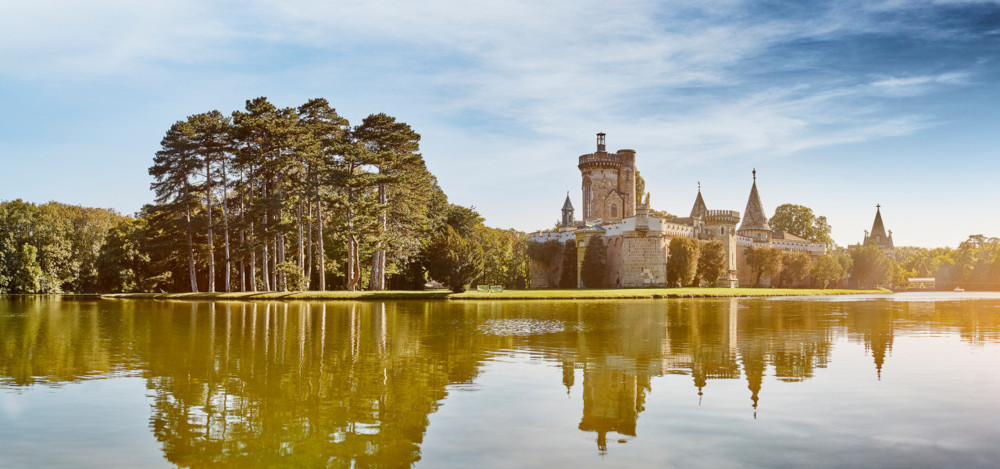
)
(637, 242)
(878, 234)
(922, 283)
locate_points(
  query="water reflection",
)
(355, 383)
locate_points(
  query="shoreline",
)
(582, 294)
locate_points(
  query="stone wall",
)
(543, 276)
(596, 204)
(644, 255)
(614, 260)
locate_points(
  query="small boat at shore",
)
(958, 289)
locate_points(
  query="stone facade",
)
(608, 184)
(637, 243)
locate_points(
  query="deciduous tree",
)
(800, 221)
(682, 262)
(711, 262)
(764, 262)
(594, 268)
(795, 266)
(827, 269)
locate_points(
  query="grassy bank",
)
(625, 293)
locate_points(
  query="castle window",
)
(614, 211)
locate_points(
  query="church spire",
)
(878, 235)
(754, 217)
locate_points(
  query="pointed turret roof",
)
(699, 204)
(878, 229)
(878, 235)
(567, 205)
(754, 217)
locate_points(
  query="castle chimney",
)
(600, 142)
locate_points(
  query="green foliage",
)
(640, 188)
(682, 262)
(594, 268)
(453, 260)
(65, 241)
(505, 260)
(827, 269)
(871, 267)
(294, 278)
(568, 277)
(795, 265)
(123, 264)
(25, 273)
(711, 262)
(544, 253)
(800, 221)
(764, 262)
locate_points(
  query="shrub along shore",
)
(587, 294)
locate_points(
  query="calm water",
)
(860, 381)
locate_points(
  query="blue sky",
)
(839, 105)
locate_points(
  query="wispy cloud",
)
(686, 82)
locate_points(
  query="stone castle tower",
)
(718, 225)
(608, 184)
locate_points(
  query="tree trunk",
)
(279, 249)
(378, 258)
(211, 246)
(301, 242)
(265, 279)
(275, 260)
(253, 260)
(243, 240)
(321, 254)
(309, 244)
(225, 224)
(190, 242)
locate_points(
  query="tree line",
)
(271, 198)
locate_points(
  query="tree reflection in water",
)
(354, 383)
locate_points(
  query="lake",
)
(909, 380)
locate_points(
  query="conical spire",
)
(567, 205)
(754, 217)
(699, 205)
(567, 212)
(878, 229)
(878, 236)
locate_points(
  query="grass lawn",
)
(623, 293)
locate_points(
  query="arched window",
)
(614, 210)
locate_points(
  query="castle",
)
(637, 240)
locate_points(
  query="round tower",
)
(608, 184)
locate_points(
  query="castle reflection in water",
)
(346, 383)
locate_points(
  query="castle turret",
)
(699, 208)
(567, 212)
(754, 220)
(608, 184)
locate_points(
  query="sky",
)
(838, 105)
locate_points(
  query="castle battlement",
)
(723, 217)
(600, 158)
(543, 236)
